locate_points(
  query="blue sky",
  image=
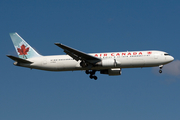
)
(90, 26)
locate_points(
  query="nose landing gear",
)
(92, 74)
(161, 66)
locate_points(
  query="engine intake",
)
(83, 64)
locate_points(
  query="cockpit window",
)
(166, 54)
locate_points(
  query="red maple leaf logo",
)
(23, 50)
(149, 52)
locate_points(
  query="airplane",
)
(110, 63)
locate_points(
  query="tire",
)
(91, 76)
(87, 72)
(95, 78)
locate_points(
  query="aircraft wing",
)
(78, 55)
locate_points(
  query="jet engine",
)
(108, 63)
(83, 64)
(111, 72)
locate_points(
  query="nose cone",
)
(170, 58)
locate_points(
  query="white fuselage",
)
(122, 60)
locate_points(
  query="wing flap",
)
(72, 55)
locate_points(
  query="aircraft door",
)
(156, 56)
(44, 62)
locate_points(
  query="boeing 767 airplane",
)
(109, 63)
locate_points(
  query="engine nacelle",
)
(83, 64)
(107, 63)
(111, 72)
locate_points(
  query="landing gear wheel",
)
(87, 72)
(95, 77)
(91, 76)
(160, 66)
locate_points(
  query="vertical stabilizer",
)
(23, 49)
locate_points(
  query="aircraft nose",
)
(169, 58)
(172, 58)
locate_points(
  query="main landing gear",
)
(92, 74)
(161, 66)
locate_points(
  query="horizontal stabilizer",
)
(20, 60)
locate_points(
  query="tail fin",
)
(23, 49)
